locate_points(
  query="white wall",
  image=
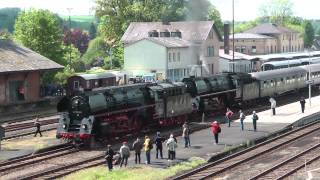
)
(145, 56)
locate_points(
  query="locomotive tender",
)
(120, 110)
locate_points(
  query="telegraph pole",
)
(69, 38)
(233, 68)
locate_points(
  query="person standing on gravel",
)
(215, 128)
(37, 125)
(242, 117)
(125, 153)
(229, 113)
(171, 145)
(186, 135)
(137, 146)
(109, 157)
(255, 117)
(158, 142)
(273, 104)
(147, 147)
(302, 103)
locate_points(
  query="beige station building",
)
(267, 39)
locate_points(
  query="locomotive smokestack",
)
(226, 31)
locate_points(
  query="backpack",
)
(150, 145)
(219, 130)
(256, 117)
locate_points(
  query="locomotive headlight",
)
(84, 126)
(64, 126)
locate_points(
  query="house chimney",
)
(226, 32)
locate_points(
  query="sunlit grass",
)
(135, 173)
(30, 142)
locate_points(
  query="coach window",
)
(169, 57)
(174, 57)
(76, 84)
(265, 85)
(88, 84)
(271, 83)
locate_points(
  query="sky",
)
(244, 9)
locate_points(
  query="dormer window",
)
(177, 33)
(153, 33)
(165, 33)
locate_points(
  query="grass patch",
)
(135, 173)
(30, 142)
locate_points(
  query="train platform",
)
(202, 142)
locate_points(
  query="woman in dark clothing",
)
(109, 156)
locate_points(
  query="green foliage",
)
(242, 26)
(97, 49)
(72, 55)
(309, 34)
(8, 17)
(137, 173)
(40, 31)
(61, 77)
(277, 11)
(214, 15)
(5, 34)
(78, 22)
(92, 31)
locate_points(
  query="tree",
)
(214, 15)
(62, 77)
(77, 38)
(277, 11)
(309, 35)
(5, 34)
(92, 31)
(97, 50)
(40, 31)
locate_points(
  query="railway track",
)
(218, 167)
(290, 165)
(66, 169)
(14, 164)
(21, 126)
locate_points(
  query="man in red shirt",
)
(229, 113)
(215, 128)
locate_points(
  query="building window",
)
(254, 49)
(174, 57)
(211, 34)
(237, 48)
(169, 57)
(76, 85)
(178, 56)
(210, 51)
(243, 49)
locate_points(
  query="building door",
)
(16, 91)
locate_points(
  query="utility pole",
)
(69, 38)
(233, 68)
(310, 81)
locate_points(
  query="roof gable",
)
(14, 57)
(269, 28)
(167, 42)
(190, 30)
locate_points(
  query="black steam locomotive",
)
(120, 110)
